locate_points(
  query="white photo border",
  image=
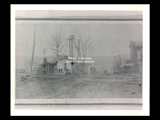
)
(144, 8)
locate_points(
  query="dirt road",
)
(48, 87)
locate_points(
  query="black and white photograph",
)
(75, 57)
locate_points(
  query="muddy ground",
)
(55, 87)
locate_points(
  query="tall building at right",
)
(136, 56)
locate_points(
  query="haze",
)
(109, 38)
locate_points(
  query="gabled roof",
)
(57, 59)
(52, 60)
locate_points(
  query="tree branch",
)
(56, 42)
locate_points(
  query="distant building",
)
(134, 64)
(93, 70)
(83, 66)
(135, 51)
(58, 65)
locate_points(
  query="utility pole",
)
(71, 49)
(72, 45)
(33, 50)
(78, 48)
(44, 59)
(72, 37)
(78, 45)
(44, 51)
(120, 61)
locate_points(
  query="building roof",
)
(136, 43)
(53, 60)
(57, 59)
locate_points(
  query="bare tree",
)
(83, 46)
(56, 43)
(86, 47)
(118, 61)
(117, 64)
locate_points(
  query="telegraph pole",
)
(44, 51)
(120, 56)
(33, 50)
(44, 60)
(72, 37)
(72, 45)
(78, 53)
(71, 49)
(78, 48)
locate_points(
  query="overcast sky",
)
(108, 37)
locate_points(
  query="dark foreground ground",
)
(54, 87)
